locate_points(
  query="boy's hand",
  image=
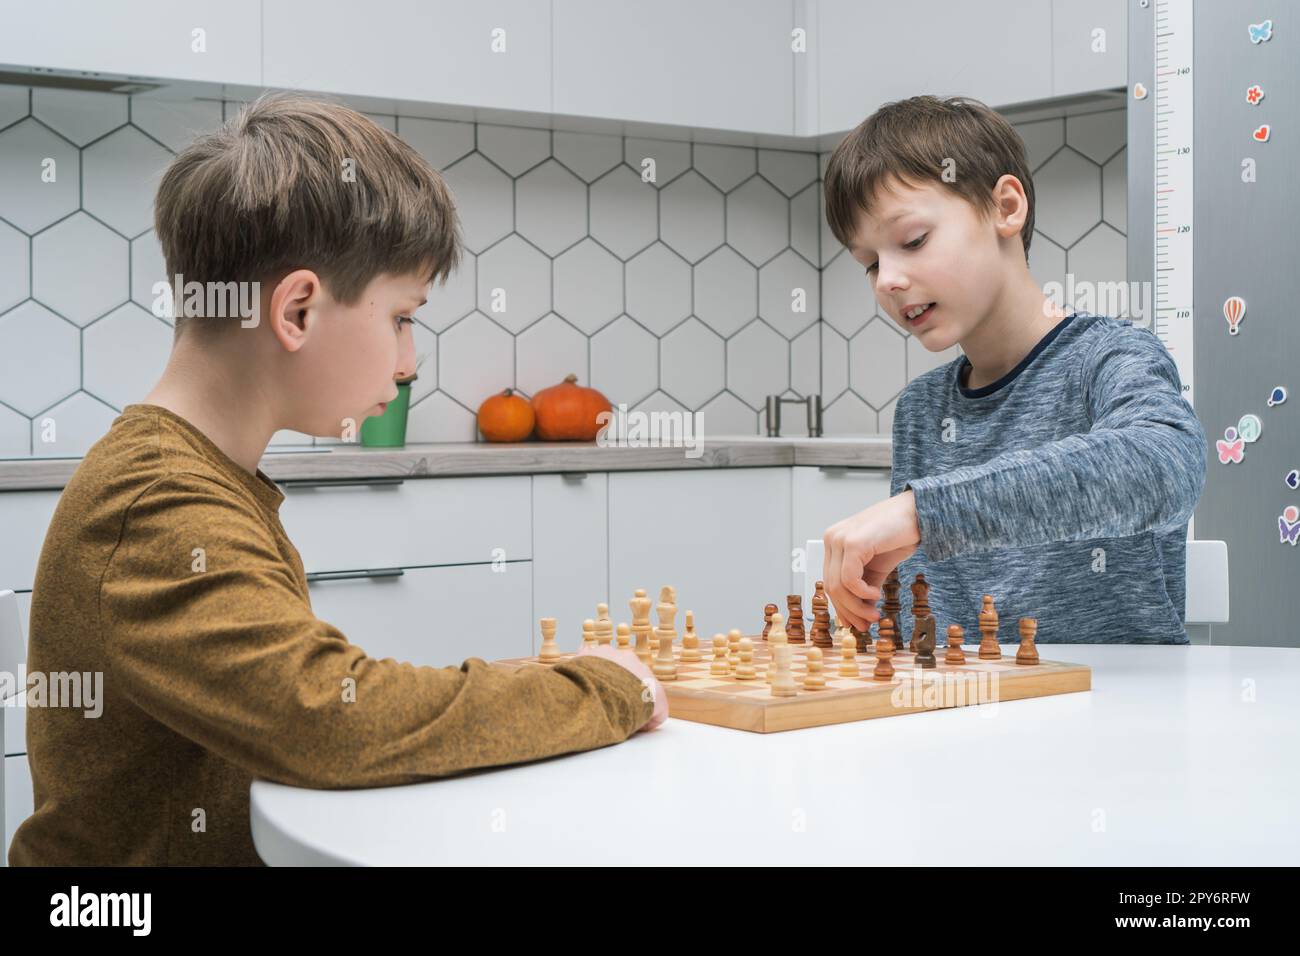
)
(861, 550)
(633, 663)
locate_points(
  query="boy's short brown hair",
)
(910, 140)
(295, 182)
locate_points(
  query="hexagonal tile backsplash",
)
(704, 289)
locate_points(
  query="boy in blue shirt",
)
(1055, 464)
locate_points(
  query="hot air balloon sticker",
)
(1288, 525)
(1234, 310)
(1277, 396)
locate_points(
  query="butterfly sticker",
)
(1259, 32)
(1231, 448)
(1288, 525)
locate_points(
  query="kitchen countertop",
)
(483, 458)
(1179, 755)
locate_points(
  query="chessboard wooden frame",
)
(762, 713)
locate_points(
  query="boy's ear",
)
(294, 307)
(1012, 206)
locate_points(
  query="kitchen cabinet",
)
(701, 63)
(570, 550)
(434, 616)
(146, 38)
(15, 735)
(364, 523)
(24, 518)
(720, 537)
(1084, 60)
(867, 54)
(18, 797)
(489, 53)
(822, 496)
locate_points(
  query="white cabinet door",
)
(570, 550)
(998, 51)
(709, 63)
(434, 616)
(208, 40)
(15, 718)
(720, 537)
(823, 496)
(489, 53)
(391, 523)
(24, 519)
(1089, 46)
(18, 803)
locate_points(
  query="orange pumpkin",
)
(567, 412)
(506, 417)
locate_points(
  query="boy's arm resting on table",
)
(1140, 468)
(233, 658)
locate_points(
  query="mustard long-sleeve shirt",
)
(213, 677)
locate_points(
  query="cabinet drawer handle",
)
(339, 482)
(315, 576)
(849, 469)
(573, 475)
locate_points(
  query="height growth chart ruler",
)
(1173, 109)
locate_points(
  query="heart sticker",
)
(1261, 134)
(1293, 479)
(1139, 91)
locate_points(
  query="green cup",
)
(389, 429)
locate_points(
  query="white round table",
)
(1179, 755)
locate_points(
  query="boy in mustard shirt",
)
(213, 677)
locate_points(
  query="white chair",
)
(1207, 580)
(12, 653)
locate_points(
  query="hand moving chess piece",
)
(955, 655)
(550, 650)
(1027, 653)
(990, 650)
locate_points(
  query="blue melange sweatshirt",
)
(1063, 489)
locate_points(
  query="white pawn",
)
(783, 684)
(624, 637)
(588, 633)
(550, 650)
(848, 650)
(721, 667)
(813, 679)
(733, 645)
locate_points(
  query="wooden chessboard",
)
(749, 705)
